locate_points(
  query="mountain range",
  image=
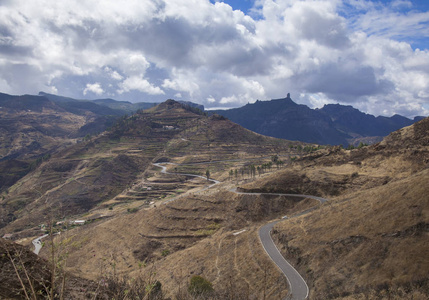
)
(96, 169)
(166, 224)
(116, 107)
(32, 127)
(334, 124)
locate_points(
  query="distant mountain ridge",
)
(98, 168)
(333, 124)
(349, 118)
(281, 118)
(32, 127)
(115, 107)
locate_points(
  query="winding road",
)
(38, 244)
(164, 171)
(298, 288)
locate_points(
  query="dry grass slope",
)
(381, 247)
(372, 240)
(369, 242)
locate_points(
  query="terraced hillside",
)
(114, 165)
(32, 128)
(191, 235)
(368, 242)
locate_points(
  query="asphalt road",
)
(164, 171)
(298, 288)
(38, 244)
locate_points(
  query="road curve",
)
(38, 244)
(298, 288)
(164, 171)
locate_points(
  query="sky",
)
(373, 55)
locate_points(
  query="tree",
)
(252, 171)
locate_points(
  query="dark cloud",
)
(8, 48)
(345, 83)
(328, 31)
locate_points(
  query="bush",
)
(200, 286)
(361, 145)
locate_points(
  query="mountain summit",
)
(333, 124)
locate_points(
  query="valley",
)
(214, 150)
(171, 193)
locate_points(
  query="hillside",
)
(34, 127)
(333, 124)
(31, 129)
(368, 241)
(15, 256)
(371, 240)
(85, 175)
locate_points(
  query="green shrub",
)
(200, 286)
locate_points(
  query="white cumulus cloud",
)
(93, 88)
(371, 54)
(139, 84)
